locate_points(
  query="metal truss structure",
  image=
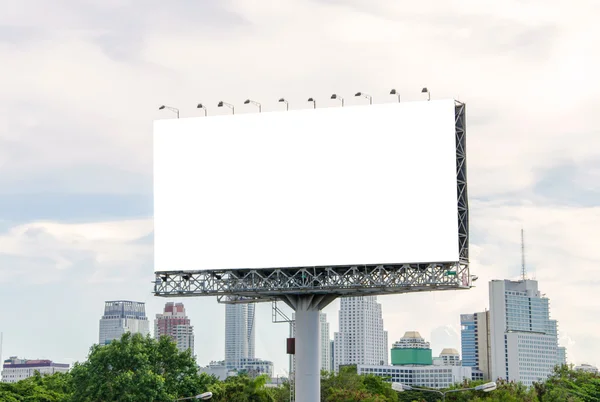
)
(259, 285)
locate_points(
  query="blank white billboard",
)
(372, 184)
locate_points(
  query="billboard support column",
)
(307, 375)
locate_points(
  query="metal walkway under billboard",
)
(309, 289)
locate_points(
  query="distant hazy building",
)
(475, 343)
(561, 355)
(15, 369)
(588, 368)
(175, 324)
(251, 366)
(255, 367)
(361, 338)
(217, 369)
(449, 357)
(523, 337)
(121, 316)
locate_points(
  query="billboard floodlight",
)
(229, 105)
(426, 91)
(394, 92)
(247, 101)
(287, 104)
(201, 106)
(313, 101)
(335, 96)
(369, 97)
(172, 109)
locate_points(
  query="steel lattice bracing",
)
(461, 181)
(274, 284)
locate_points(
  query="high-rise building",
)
(361, 338)
(239, 334)
(175, 324)
(475, 342)
(325, 343)
(251, 331)
(524, 339)
(15, 370)
(332, 357)
(121, 316)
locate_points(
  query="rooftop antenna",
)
(523, 270)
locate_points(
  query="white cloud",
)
(82, 83)
(101, 247)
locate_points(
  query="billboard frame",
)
(270, 284)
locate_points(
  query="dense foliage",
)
(138, 369)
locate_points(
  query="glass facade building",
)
(524, 339)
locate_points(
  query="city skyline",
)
(82, 84)
(129, 313)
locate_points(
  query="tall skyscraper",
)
(524, 339)
(475, 342)
(325, 346)
(174, 323)
(239, 334)
(251, 331)
(361, 338)
(121, 316)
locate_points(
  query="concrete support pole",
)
(308, 352)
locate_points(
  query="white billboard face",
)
(369, 184)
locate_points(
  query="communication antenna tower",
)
(523, 269)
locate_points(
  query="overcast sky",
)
(82, 81)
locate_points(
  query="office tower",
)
(15, 370)
(251, 330)
(361, 338)
(239, 334)
(332, 357)
(121, 316)
(524, 339)
(475, 342)
(325, 345)
(175, 324)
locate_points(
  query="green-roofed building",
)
(412, 349)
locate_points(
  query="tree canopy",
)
(141, 369)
